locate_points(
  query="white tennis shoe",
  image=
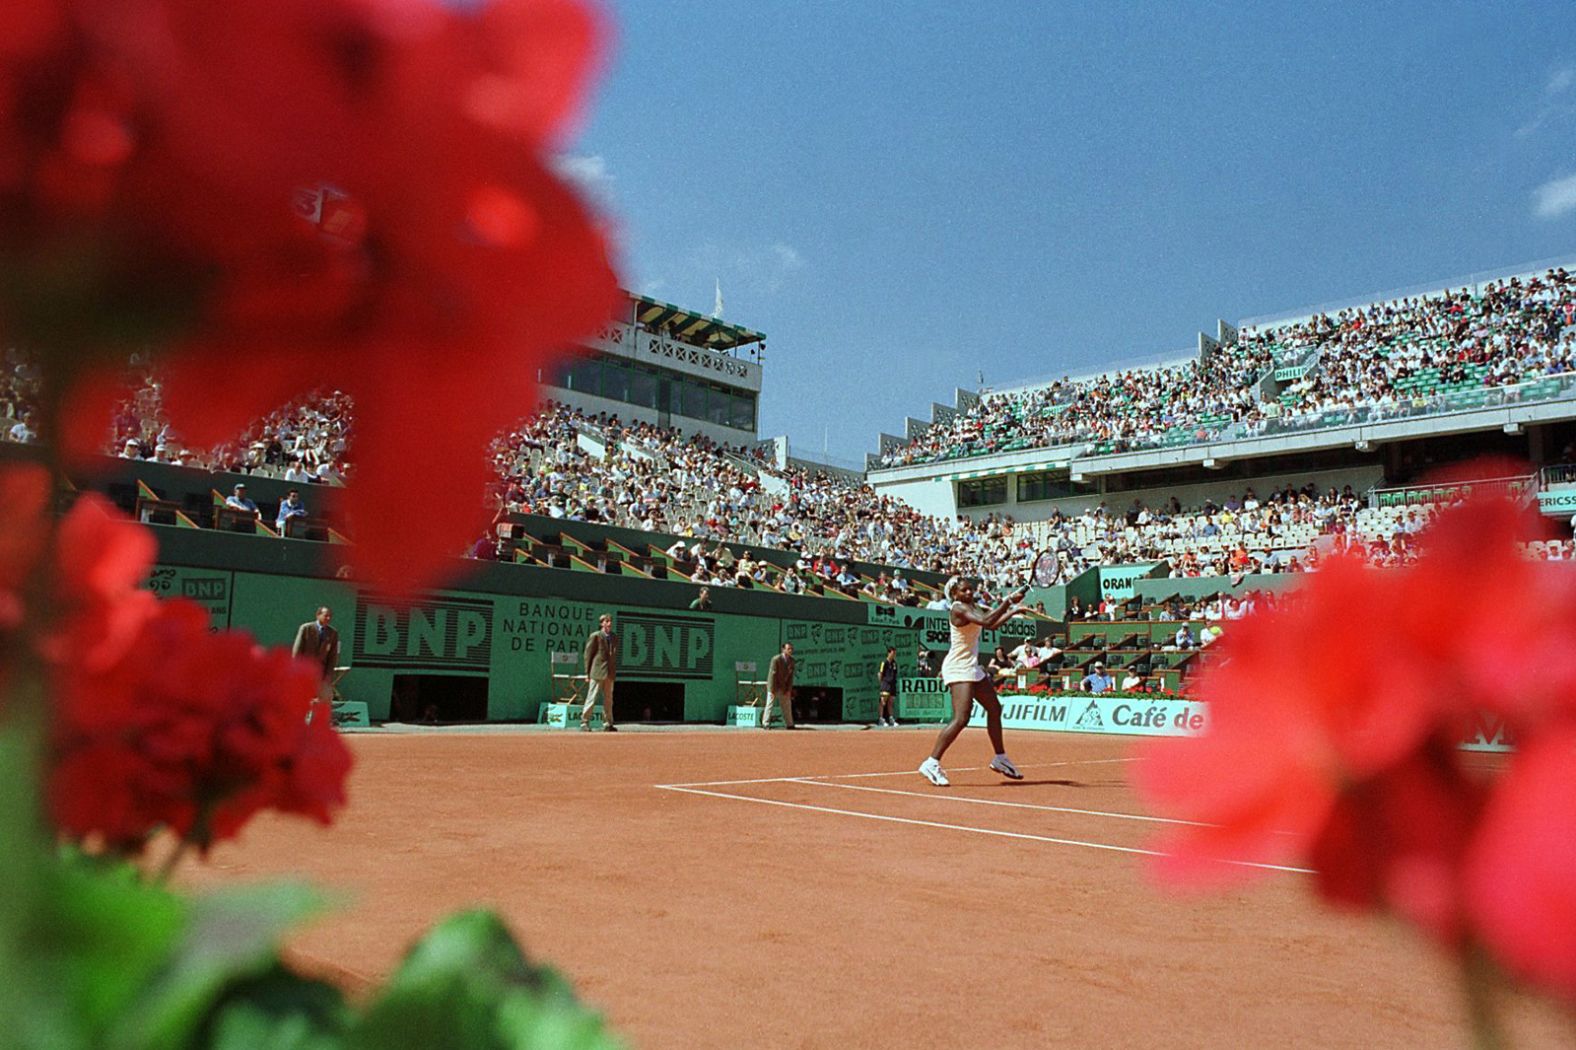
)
(1003, 765)
(931, 770)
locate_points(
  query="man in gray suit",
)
(601, 667)
(319, 642)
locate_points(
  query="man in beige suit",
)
(779, 687)
(601, 666)
(319, 642)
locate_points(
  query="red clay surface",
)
(696, 921)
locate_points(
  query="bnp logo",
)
(665, 646)
(438, 633)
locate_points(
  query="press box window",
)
(982, 492)
(1044, 485)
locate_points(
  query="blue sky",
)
(904, 196)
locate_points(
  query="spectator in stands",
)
(702, 602)
(485, 548)
(22, 431)
(238, 500)
(793, 583)
(1097, 681)
(1000, 665)
(1132, 681)
(295, 473)
(289, 507)
(1184, 637)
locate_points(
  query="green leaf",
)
(276, 1011)
(230, 936)
(478, 944)
(99, 938)
(246, 1027)
(468, 984)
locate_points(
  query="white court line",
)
(1000, 802)
(892, 773)
(960, 827)
(966, 769)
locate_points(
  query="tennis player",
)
(967, 680)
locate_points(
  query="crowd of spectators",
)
(1392, 358)
(563, 463)
(303, 442)
(1386, 359)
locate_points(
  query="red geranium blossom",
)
(1521, 877)
(1301, 698)
(99, 560)
(1335, 724)
(192, 731)
(1396, 841)
(181, 176)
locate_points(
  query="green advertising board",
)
(923, 699)
(509, 643)
(213, 589)
(843, 657)
(1557, 502)
(1118, 583)
(1086, 713)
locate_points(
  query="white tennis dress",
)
(963, 658)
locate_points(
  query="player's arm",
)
(1009, 608)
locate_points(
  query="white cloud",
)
(1556, 103)
(788, 257)
(1555, 198)
(759, 267)
(588, 172)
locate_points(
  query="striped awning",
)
(1026, 468)
(691, 327)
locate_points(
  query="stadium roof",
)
(693, 328)
(1022, 468)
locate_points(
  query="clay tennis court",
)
(814, 900)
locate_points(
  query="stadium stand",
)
(585, 490)
(1513, 341)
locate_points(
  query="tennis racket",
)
(1046, 570)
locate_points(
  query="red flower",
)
(1521, 876)
(1333, 741)
(193, 731)
(99, 561)
(1396, 841)
(303, 193)
(1506, 645)
(24, 503)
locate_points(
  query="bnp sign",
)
(440, 634)
(665, 646)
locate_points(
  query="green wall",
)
(509, 639)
